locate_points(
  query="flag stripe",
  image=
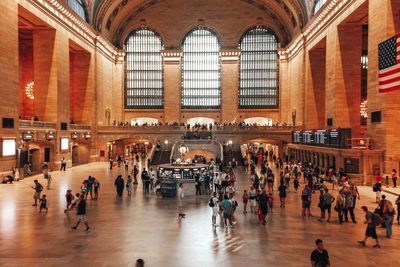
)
(389, 64)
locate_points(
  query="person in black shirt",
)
(81, 212)
(320, 257)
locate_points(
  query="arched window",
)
(258, 80)
(201, 70)
(143, 70)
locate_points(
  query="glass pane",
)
(258, 81)
(143, 70)
(201, 70)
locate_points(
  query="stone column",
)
(45, 75)
(383, 23)
(229, 84)
(172, 85)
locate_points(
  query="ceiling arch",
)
(115, 17)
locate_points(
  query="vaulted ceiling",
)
(116, 18)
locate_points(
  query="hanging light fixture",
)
(364, 109)
(29, 90)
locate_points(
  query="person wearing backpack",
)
(372, 220)
(377, 188)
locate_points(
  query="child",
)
(128, 185)
(43, 203)
(270, 202)
(245, 198)
(387, 181)
(68, 197)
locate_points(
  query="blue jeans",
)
(388, 224)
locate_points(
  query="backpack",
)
(211, 203)
(375, 188)
(376, 219)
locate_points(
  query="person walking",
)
(306, 201)
(38, 189)
(49, 179)
(349, 206)
(198, 184)
(144, 177)
(388, 215)
(111, 163)
(81, 212)
(135, 172)
(328, 200)
(153, 177)
(214, 204)
(128, 185)
(245, 199)
(398, 209)
(377, 188)
(394, 177)
(180, 202)
(43, 204)
(263, 207)
(319, 256)
(282, 194)
(89, 190)
(68, 198)
(371, 222)
(340, 201)
(96, 186)
(226, 206)
(119, 185)
(63, 164)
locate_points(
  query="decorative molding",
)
(171, 56)
(317, 24)
(68, 19)
(230, 54)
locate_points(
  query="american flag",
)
(389, 64)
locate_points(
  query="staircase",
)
(160, 157)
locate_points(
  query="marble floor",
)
(127, 228)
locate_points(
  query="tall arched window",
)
(201, 70)
(143, 70)
(258, 80)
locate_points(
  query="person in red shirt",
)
(379, 179)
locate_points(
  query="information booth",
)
(180, 173)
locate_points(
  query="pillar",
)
(172, 82)
(229, 84)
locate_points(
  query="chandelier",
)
(29, 90)
(363, 109)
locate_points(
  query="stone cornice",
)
(317, 24)
(68, 19)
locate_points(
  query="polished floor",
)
(145, 227)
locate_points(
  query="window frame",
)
(194, 107)
(277, 96)
(141, 107)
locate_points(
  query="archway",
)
(200, 120)
(260, 121)
(143, 121)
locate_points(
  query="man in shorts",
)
(226, 205)
(327, 203)
(371, 228)
(81, 212)
(38, 189)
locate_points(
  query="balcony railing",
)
(79, 127)
(30, 124)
